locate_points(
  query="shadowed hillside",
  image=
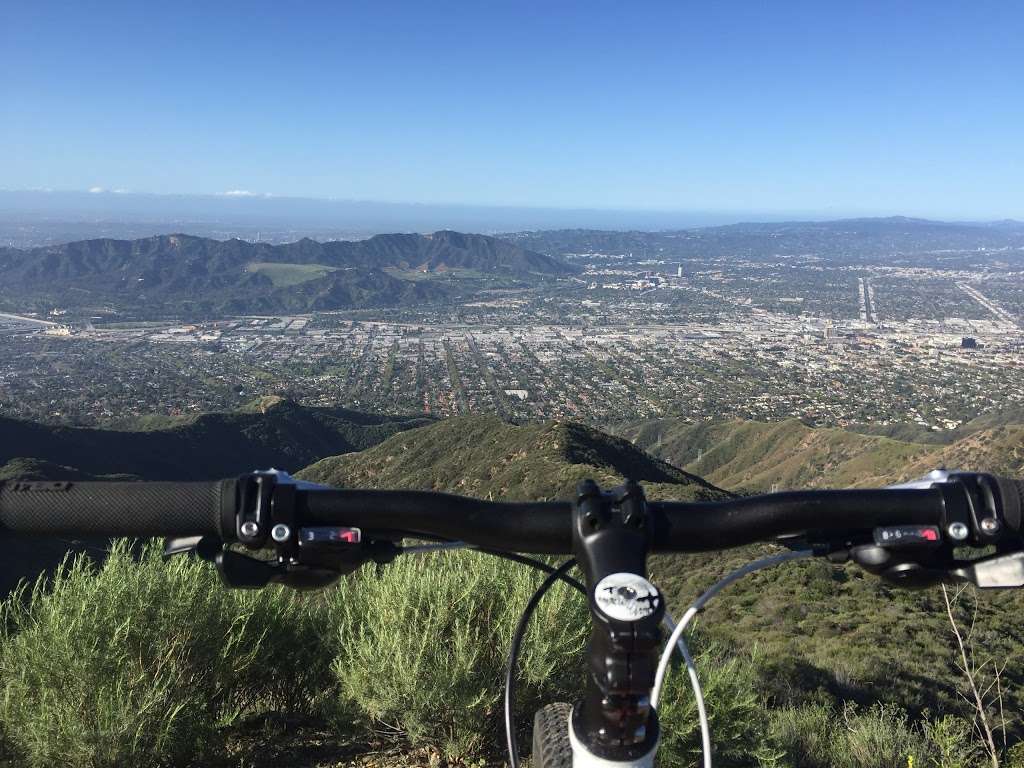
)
(276, 433)
(269, 433)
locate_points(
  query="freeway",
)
(23, 319)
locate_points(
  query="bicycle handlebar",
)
(117, 508)
(545, 527)
(210, 508)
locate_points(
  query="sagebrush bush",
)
(736, 713)
(952, 743)
(138, 662)
(881, 736)
(746, 732)
(422, 644)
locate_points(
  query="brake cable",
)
(698, 692)
(540, 565)
(419, 549)
(693, 610)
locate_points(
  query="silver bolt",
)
(989, 525)
(280, 533)
(250, 529)
(957, 531)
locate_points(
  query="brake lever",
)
(995, 572)
(916, 568)
(240, 571)
(206, 547)
(304, 557)
(320, 563)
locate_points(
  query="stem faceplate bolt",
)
(957, 531)
(989, 525)
(250, 529)
(280, 533)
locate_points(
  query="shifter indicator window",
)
(330, 535)
(907, 536)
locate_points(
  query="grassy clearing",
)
(285, 275)
(456, 273)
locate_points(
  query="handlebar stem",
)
(612, 534)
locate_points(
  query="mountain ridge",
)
(273, 433)
(842, 241)
(201, 274)
(486, 457)
(761, 456)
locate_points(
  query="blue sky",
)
(819, 107)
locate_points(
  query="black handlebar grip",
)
(117, 508)
(1012, 492)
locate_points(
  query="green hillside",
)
(41, 469)
(917, 433)
(832, 633)
(999, 450)
(486, 457)
(184, 275)
(285, 275)
(760, 456)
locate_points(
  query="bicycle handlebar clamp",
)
(612, 535)
(303, 557)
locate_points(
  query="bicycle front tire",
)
(551, 747)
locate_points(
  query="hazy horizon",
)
(334, 217)
(729, 111)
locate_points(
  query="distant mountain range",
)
(896, 239)
(188, 275)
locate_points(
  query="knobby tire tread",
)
(551, 747)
